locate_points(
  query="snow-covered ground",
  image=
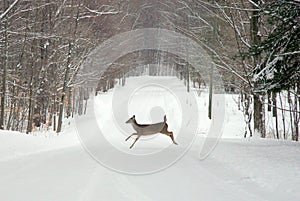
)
(46, 167)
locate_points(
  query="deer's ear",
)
(133, 116)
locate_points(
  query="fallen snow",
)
(46, 167)
(15, 144)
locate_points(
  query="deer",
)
(149, 129)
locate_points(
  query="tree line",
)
(42, 46)
(254, 44)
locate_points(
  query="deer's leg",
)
(135, 141)
(130, 136)
(170, 134)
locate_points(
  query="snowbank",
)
(15, 144)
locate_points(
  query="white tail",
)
(149, 129)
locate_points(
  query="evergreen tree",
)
(280, 50)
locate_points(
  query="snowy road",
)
(70, 174)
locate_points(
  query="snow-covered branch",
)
(289, 53)
(8, 9)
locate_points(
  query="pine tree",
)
(280, 50)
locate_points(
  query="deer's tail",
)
(165, 118)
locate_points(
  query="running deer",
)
(149, 129)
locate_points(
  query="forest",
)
(255, 45)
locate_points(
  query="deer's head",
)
(131, 120)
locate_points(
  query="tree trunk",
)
(274, 100)
(69, 108)
(4, 75)
(295, 135)
(259, 115)
(283, 116)
(291, 111)
(64, 90)
(258, 100)
(68, 66)
(269, 101)
(187, 78)
(11, 116)
(210, 92)
(298, 109)
(30, 108)
(54, 113)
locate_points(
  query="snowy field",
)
(46, 167)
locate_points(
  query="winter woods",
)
(42, 46)
(254, 44)
(267, 40)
